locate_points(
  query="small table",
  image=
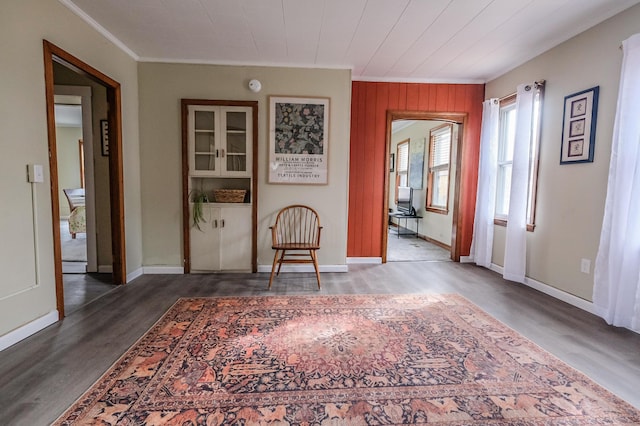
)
(406, 217)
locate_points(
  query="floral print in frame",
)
(298, 130)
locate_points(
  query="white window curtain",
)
(515, 256)
(482, 241)
(616, 292)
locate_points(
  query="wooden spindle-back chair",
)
(297, 229)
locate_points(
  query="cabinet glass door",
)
(236, 141)
(206, 154)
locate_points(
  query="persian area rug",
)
(335, 360)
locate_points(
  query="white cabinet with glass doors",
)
(218, 143)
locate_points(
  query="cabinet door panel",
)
(236, 162)
(205, 242)
(205, 120)
(235, 244)
(204, 141)
(236, 140)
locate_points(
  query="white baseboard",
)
(305, 268)
(134, 274)
(466, 259)
(553, 292)
(366, 260)
(170, 270)
(27, 330)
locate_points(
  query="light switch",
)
(35, 173)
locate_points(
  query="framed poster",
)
(298, 140)
(579, 126)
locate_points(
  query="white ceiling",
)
(383, 40)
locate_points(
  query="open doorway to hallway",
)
(422, 186)
(75, 162)
(96, 204)
(86, 259)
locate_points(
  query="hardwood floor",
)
(412, 249)
(80, 289)
(44, 374)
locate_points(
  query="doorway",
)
(56, 57)
(421, 192)
(422, 186)
(74, 153)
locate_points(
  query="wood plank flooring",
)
(44, 374)
(80, 289)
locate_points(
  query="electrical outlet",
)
(585, 266)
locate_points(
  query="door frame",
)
(451, 117)
(53, 53)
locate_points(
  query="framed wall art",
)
(579, 126)
(298, 140)
(104, 137)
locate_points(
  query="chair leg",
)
(73, 235)
(315, 265)
(280, 262)
(273, 268)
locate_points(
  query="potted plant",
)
(198, 197)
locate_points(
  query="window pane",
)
(403, 157)
(503, 190)
(508, 133)
(440, 188)
(440, 146)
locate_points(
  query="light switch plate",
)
(35, 173)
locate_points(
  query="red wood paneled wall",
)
(369, 105)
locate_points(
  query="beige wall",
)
(570, 197)
(23, 26)
(161, 88)
(432, 225)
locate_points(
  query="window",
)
(402, 165)
(439, 166)
(505, 158)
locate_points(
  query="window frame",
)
(532, 192)
(429, 206)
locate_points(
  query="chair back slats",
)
(296, 224)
